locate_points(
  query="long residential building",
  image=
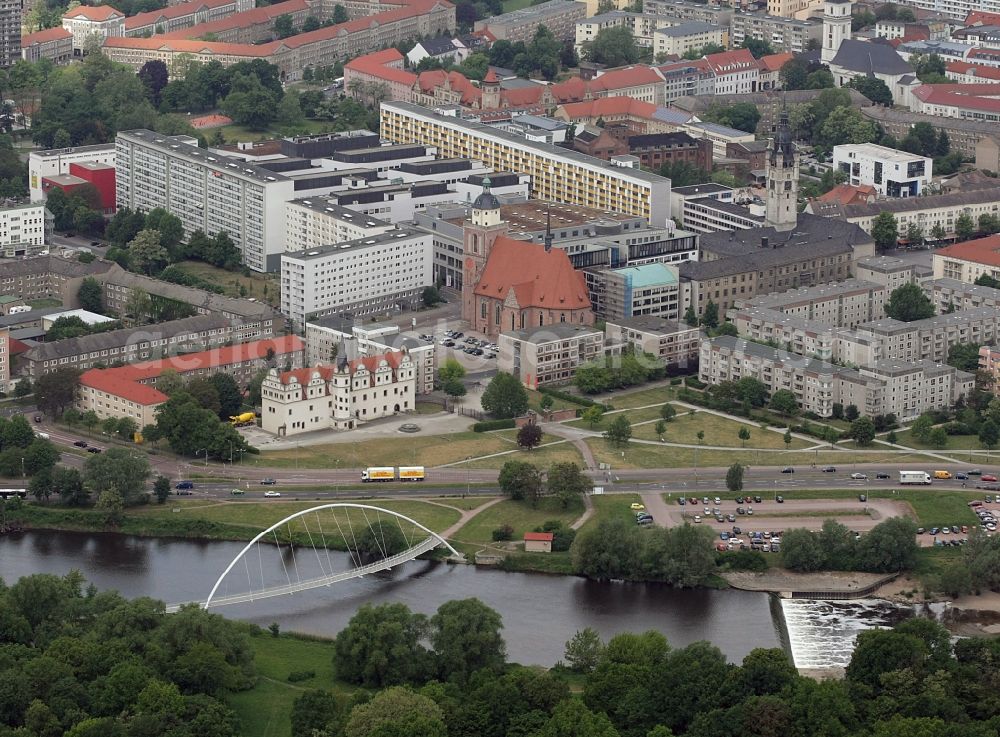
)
(783, 33)
(676, 344)
(969, 260)
(889, 386)
(127, 391)
(130, 344)
(319, 48)
(385, 272)
(559, 16)
(251, 319)
(557, 174)
(183, 15)
(549, 354)
(48, 277)
(208, 192)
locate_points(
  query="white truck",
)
(378, 473)
(914, 477)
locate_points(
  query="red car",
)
(988, 477)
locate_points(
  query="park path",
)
(467, 515)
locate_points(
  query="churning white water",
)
(821, 634)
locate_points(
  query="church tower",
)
(480, 232)
(836, 27)
(782, 177)
(490, 88)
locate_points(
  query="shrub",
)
(572, 398)
(694, 382)
(301, 675)
(676, 381)
(504, 532)
(488, 425)
(743, 560)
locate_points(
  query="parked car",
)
(757, 500)
(682, 501)
(987, 477)
(697, 519)
(962, 476)
(780, 499)
(635, 505)
(38, 418)
(739, 500)
(974, 472)
(862, 497)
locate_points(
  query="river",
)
(540, 612)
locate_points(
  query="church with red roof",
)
(510, 284)
(340, 396)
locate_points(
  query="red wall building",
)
(102, 176)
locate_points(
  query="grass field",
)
(428, 450)
(265, 710)
(634, 416)
(254, 285)
(643, 397)
(511, 5)
(932, 507)
(535, 402)
(518, 514)
(259, 515)
(963, 447)
(427, 408)
(718, 431)
(543, 456)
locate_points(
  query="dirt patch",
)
(779, 579)
(823, 674)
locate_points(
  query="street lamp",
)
(468, 482)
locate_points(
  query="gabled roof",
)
(46, 36)
(606, 106)
(626, 77)
(869, 58)
(538, 278)
(440, 45)
(981, 251)
(731, 62)
(246, 18)
(152, 17)
(126, 381)
(984, 96)
(378, 65)
(972, 70)
(774, 62)
(543, 537)
(94, 13)
(849, 194)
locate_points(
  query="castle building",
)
(339, 397)
(782, 178)
(510, 284)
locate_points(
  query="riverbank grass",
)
(520, 515)
(266, 709)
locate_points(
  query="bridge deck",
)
(313, 583)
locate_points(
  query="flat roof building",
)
(892, 173)
(549, 354)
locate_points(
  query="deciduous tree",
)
(529, 436)
(734, 477)
(908, 303)
(505, 396)
(465, 635)
(520, 480)
(567, 482)
(381, 646)
(619, 432)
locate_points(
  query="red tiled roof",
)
(538, 277)
(701, 65)
(95, 12)
(46, 36)
(192, 47)
(604, 106)
(378, 65)
(729, 62)
(981, 251)
(491, 77)
(774, 62)
(983, 96)
(617, 79)
(125, 381)
(849, 194)
(153, 17)
(256, 16)
(520, 97)
(544, 537)
(982, 18)
(975, 70)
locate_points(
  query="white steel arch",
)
(402, 557)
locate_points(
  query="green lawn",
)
(558, 451)
(428, 408)
(518, 514)
(512, 5)
(963, 447)
(611, 506)
(260, 286)
(43, 303)
(265, 710)
(260, 514)
(238, 133)
(634, 416)
(535, 402)
(934, 506)
(643, 397)
(427, 450)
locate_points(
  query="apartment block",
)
(643, 26)
(892, 173)
(367, 276)
(903, 388)
(847, 303)
(969, 260)
(208, 192)
(680, 39)
(319, 221)
(48, 277)
(951, 294)
(559, 16)
(328, 337)
(720, 15)
(674, 343)
(54, 44)
(989, 361)
(931, 338)
(10, 32)
(130, 345)
(783, 33)
(557, 174)
(549, 354)
(22, 228)
(890, 272)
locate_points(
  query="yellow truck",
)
(412, 473)
(942, 474)
(244, 418)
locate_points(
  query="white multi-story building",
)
(783, 33)
(22, 229)
(55, 161)
(364, 277)
(327, 337)
(337, 397)
(92, 24)
(207, 191)
(318, 221)
(680, 39)
(892, 173)
(674, 343)
(736, 72)
(549, 354)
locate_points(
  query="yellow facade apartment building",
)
(557, 174)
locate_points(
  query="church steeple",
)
(782, 177)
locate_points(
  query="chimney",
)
(763, 241)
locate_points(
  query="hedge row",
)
(572, 398)
(488, 425)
